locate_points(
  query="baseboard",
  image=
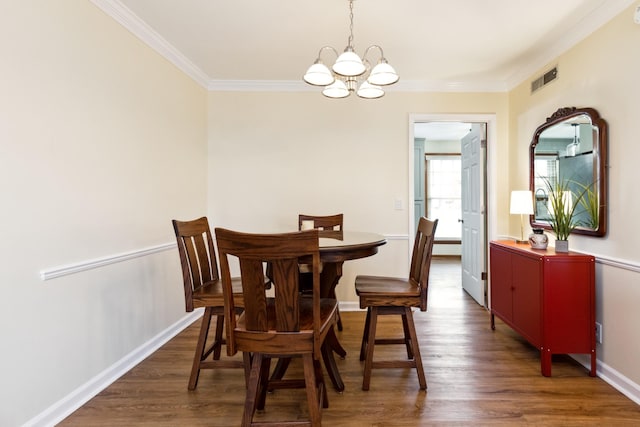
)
(66, 406)
(349, 306)
(612, 377)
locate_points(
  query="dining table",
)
(335, 248)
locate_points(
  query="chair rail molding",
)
(65, 270)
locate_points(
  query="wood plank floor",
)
(474, 375)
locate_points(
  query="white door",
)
(473, 254)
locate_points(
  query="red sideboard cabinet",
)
(547, 297)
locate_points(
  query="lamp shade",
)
(337, 89)
(521, 202)
(369, 91)
(319, 75)
(383, 74)
(349, 64)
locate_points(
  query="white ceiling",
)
(468, 45)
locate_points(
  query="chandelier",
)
(350, 73)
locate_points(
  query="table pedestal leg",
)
(329, 278)
(330, 362)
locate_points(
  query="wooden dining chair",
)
(322, 223)
(202, 288)
(327, 225)
(286, 324)
(397, 296)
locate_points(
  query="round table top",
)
(342, 239)
(344, 245)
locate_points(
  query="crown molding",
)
(401, 86)
(148, 35)
(129, 20)
(596, 19)
(125, 17)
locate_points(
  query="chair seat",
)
(303, 339)
(388, 286)
(211, 293)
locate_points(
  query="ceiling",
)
(465, 45)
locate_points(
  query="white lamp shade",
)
(336, 89)
(319, 75)
(521, 202)
(369, 91)
(383, 74)
(349, 64)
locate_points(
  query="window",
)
(546, 167)
(444, 191)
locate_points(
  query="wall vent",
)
(544, 79)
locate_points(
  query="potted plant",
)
(562, 209)
(591, 205)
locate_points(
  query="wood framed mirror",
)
(571, 147)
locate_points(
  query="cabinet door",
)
(569, 322)
(501, 303)
(527, 297)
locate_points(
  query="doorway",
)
(470, 136)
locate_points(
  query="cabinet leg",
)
(593, 363)
(545, 362)
(493, 322)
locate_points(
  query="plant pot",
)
(562, 246)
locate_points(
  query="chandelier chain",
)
(350, 41)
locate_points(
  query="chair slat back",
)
(197, 256)
(253, 252)
(421, 257)
(322, 223)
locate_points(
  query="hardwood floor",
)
(474, 376)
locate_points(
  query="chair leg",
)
(246, 360)
(281, 368)
(312, 392)
(416, 348)
(320, 383)
(407, 336)
(219, 340)
(264, 382)
(253, 388)
(200, 348)
(371, 340)
(365, 334)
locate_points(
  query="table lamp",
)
(521, 203)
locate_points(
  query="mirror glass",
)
(570, 149)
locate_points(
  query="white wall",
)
(102, 143)
(274, 155)
(600, 72)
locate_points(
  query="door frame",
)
(490, 169)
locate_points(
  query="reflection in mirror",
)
(570, 148)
